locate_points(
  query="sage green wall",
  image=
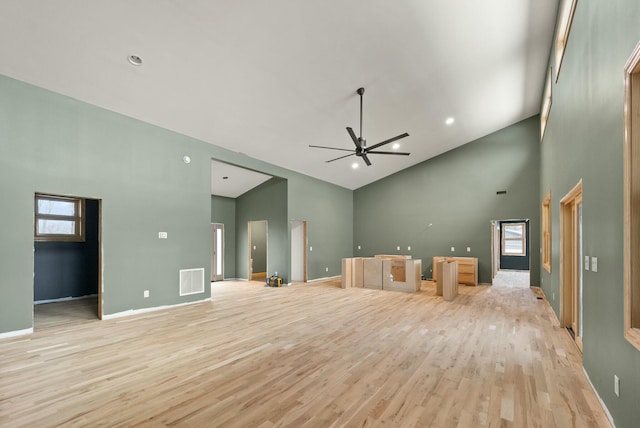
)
(223, 210)
(267, 202)
(328, 210)
(449, 201)
(54, 144)
(584, 141)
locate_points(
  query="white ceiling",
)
(230, 181)
(268, 78)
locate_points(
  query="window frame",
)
(631, 198)
(546, 232)
(566, 10)
(523, 239)
(77, 218)
(547, 101)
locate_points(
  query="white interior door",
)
(217, 253)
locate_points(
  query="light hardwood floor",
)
(307, 355)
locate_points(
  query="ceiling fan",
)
(361, 149)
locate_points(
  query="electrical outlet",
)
(616, 385)
(326, 269)
(146, 293)
(162, 235)
(359, 248)
(453, 249)
(468, 249)
(310, 248)
(398, 248)
(409, 248)
(594, 264)
(586, 262)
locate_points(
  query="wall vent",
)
(191, 281)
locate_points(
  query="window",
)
(565, 17)
(513, 239)
(546, 105)
(632, 199)
(58, 218)
(546, 232)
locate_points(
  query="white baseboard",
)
(606, 410)
(16, 333)
(145, 310)
(325, 278)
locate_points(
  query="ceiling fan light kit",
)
(361, 149)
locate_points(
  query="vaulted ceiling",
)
(270, 78)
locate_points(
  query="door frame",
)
(214, 264)
(304, 247)
(570, 263)
(99, 309)
(266, 240)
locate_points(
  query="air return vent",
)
(191, 281)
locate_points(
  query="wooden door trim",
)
(567, 269)
(100, 274)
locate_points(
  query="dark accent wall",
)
(268, 202)
(223, 210)
(450, 200)
(516, 262)
(584, 141)
(68, 269)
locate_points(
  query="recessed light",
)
(449, 121)
(396, 146)
(135, 60)
(354, 165)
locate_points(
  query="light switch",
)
(255, 248)
(162, 235)
(586, 262)
(594, 264)
(310, 248)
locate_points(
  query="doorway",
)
(571, 279)
(298, 251)
(217, 253)
(67, 279)
(510, 248)
(258, 251)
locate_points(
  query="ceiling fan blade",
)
(353, 137)
(341, 157)
(366, 159)
(388, 153)
(332, 148)
(390, 140)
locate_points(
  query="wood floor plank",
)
(307, 355)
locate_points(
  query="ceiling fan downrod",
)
(360, 92)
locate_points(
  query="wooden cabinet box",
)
(467, 269)
(397, 273)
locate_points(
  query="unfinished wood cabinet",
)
(397, 273)
(467, 269)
